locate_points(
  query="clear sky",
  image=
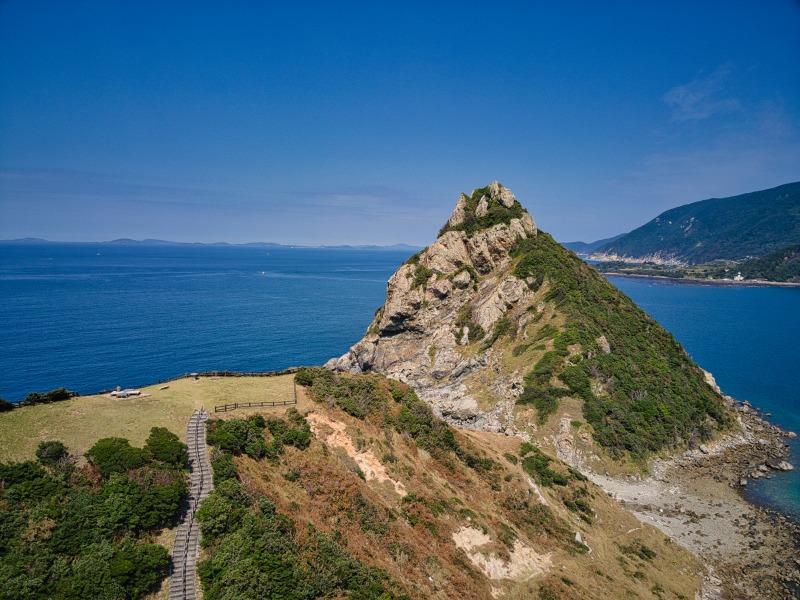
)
(338, 122)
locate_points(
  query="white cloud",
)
(702, 97)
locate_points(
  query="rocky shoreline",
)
(696, 498)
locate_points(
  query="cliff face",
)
(500, 328)
(445, 299)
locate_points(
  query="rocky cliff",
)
(500, 328)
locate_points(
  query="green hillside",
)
(781, 265)
(642, 395)
(748, 225)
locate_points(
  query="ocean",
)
(90, 317)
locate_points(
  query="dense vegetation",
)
(74, 533)
(56, 395)
(497, 213)
(749, 225)
(253, 552)
(782, 265)
(654, 396)
(246, 436)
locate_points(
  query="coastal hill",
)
(735, 228)
(500, 328)
(357, 491)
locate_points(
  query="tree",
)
(163, 445)
(115, 455)
(49, 453)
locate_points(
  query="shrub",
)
(223, 467)
(501, 328)
(238, 436)
(49, 453)
(6, 406)
(115, 455)
(163, 445)
(638, 549)
(304, 377)
(417, 419)
(537, 466)
(55, 395)
(421, 276)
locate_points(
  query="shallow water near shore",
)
(91, 317)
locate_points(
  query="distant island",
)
(34, 241)
(753, 237)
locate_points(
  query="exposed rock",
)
(483, 207)
(459, 212)
(780, 465)
(462, 280)
(503, 194)
(603, 344)
(711, 381)
(416, 317)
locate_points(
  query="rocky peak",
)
(499, 327)
(446, 298)
(486, 207)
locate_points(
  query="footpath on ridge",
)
(183, 580)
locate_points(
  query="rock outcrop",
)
(498, 327)
(441, 299)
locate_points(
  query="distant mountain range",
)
(153, 242)
(735, 228)
(589, 247)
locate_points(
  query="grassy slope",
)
(410, 539)
(81, 421)
(732, 228)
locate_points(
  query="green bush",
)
(537, 466)
(421, 276)
(6, 406)
(115, 455)
(222, 511)
(49, 453)
(223, 467)
(165, 446)
(417, 420)
(55, 395)
(238, 436)
(304, 377)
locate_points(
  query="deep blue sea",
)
(91, 317)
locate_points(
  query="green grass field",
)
(80, 422)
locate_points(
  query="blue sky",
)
(360, 122)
